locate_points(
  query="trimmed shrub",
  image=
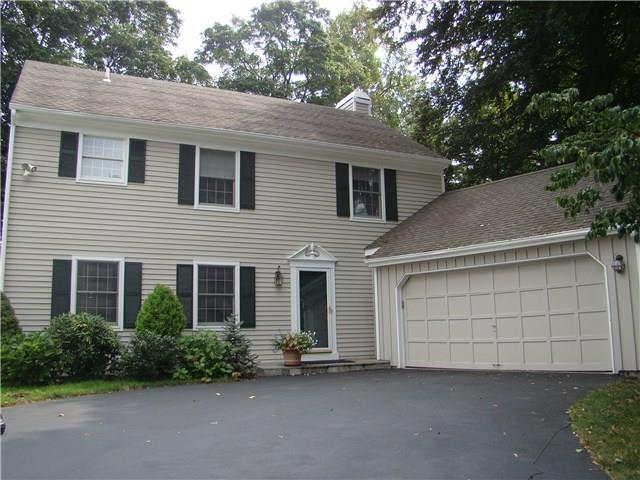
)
(161, 313)
(150, 356)
(8, 322)
(34, 359)
(88, 342)
(242, 361)
(203, 358)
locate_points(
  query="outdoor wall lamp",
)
(28, 169)
(618, 264)
(277, 278)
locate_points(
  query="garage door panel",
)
(540, 315)
(480, 280)
(535, 326)
(509, 327)
(562, 299)
(507, 302)
(458, 306)
(532, 275)
(415, 308)
(563, 324)
(510, 353)
(483, 328)
(537, 353)
(460, 329)
(438, 329)
(505, 278)
(591, 298)
(594, 324)
(482, 304)
(533, 301)
(437, 307)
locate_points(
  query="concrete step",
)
(277, 369)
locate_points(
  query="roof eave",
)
(524, 242)
(311, 148)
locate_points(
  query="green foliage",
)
(482, 62)
(149, 356)
(33, 359)
(204, 358)
(161, 313)
(301, 342)
(602, 144)
(9, 326)
(607, 421)
(242, 362)
(88, 343)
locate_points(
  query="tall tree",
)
(483, 61)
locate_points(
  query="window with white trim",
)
(366, 192)
(217, 177)
(97, 285)
(216, 289)
(103, 159)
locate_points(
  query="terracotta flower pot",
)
(292, 358)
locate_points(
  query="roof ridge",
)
(512, 177)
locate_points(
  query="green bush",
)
(150, 356)
(161, 313)
(203, 358)
(8, 322)
(239, 356)
(88, 342)
(34, 359)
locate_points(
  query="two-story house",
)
(242, 204)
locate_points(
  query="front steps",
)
(277, 369)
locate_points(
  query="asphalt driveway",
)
(384, 424)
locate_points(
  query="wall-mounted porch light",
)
(618, 264)
(277, 277)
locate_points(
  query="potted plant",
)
(293, 345)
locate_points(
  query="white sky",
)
(197, 15)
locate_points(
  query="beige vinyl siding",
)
(54, 217)
(623, 290)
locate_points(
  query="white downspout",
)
(7, 198)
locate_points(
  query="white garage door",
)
(542, 315)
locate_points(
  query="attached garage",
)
(494, 277)
(540, 315)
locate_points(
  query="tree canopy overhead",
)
(482, 62)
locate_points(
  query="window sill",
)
(216, 208)
(101, 182)
(213, 328)
(368, 220)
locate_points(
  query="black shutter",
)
(68, 158)
(184, 290)
(61, 287)
(248, 297)
(248, 180)
(390, 195)
(137, 160)
(132, 292)
(343, 208)
(186, 174)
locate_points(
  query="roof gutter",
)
(480, 248)
(437, 163)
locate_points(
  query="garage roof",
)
(508, 209)
(81, 90)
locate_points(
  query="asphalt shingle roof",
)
(75, 89)
(507, 209)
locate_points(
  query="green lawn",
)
(17, 395)
(608, 424)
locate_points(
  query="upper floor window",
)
(217, 178)
(103, 159)
(366, 192)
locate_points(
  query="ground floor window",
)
(216, 293)
(97, 288)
